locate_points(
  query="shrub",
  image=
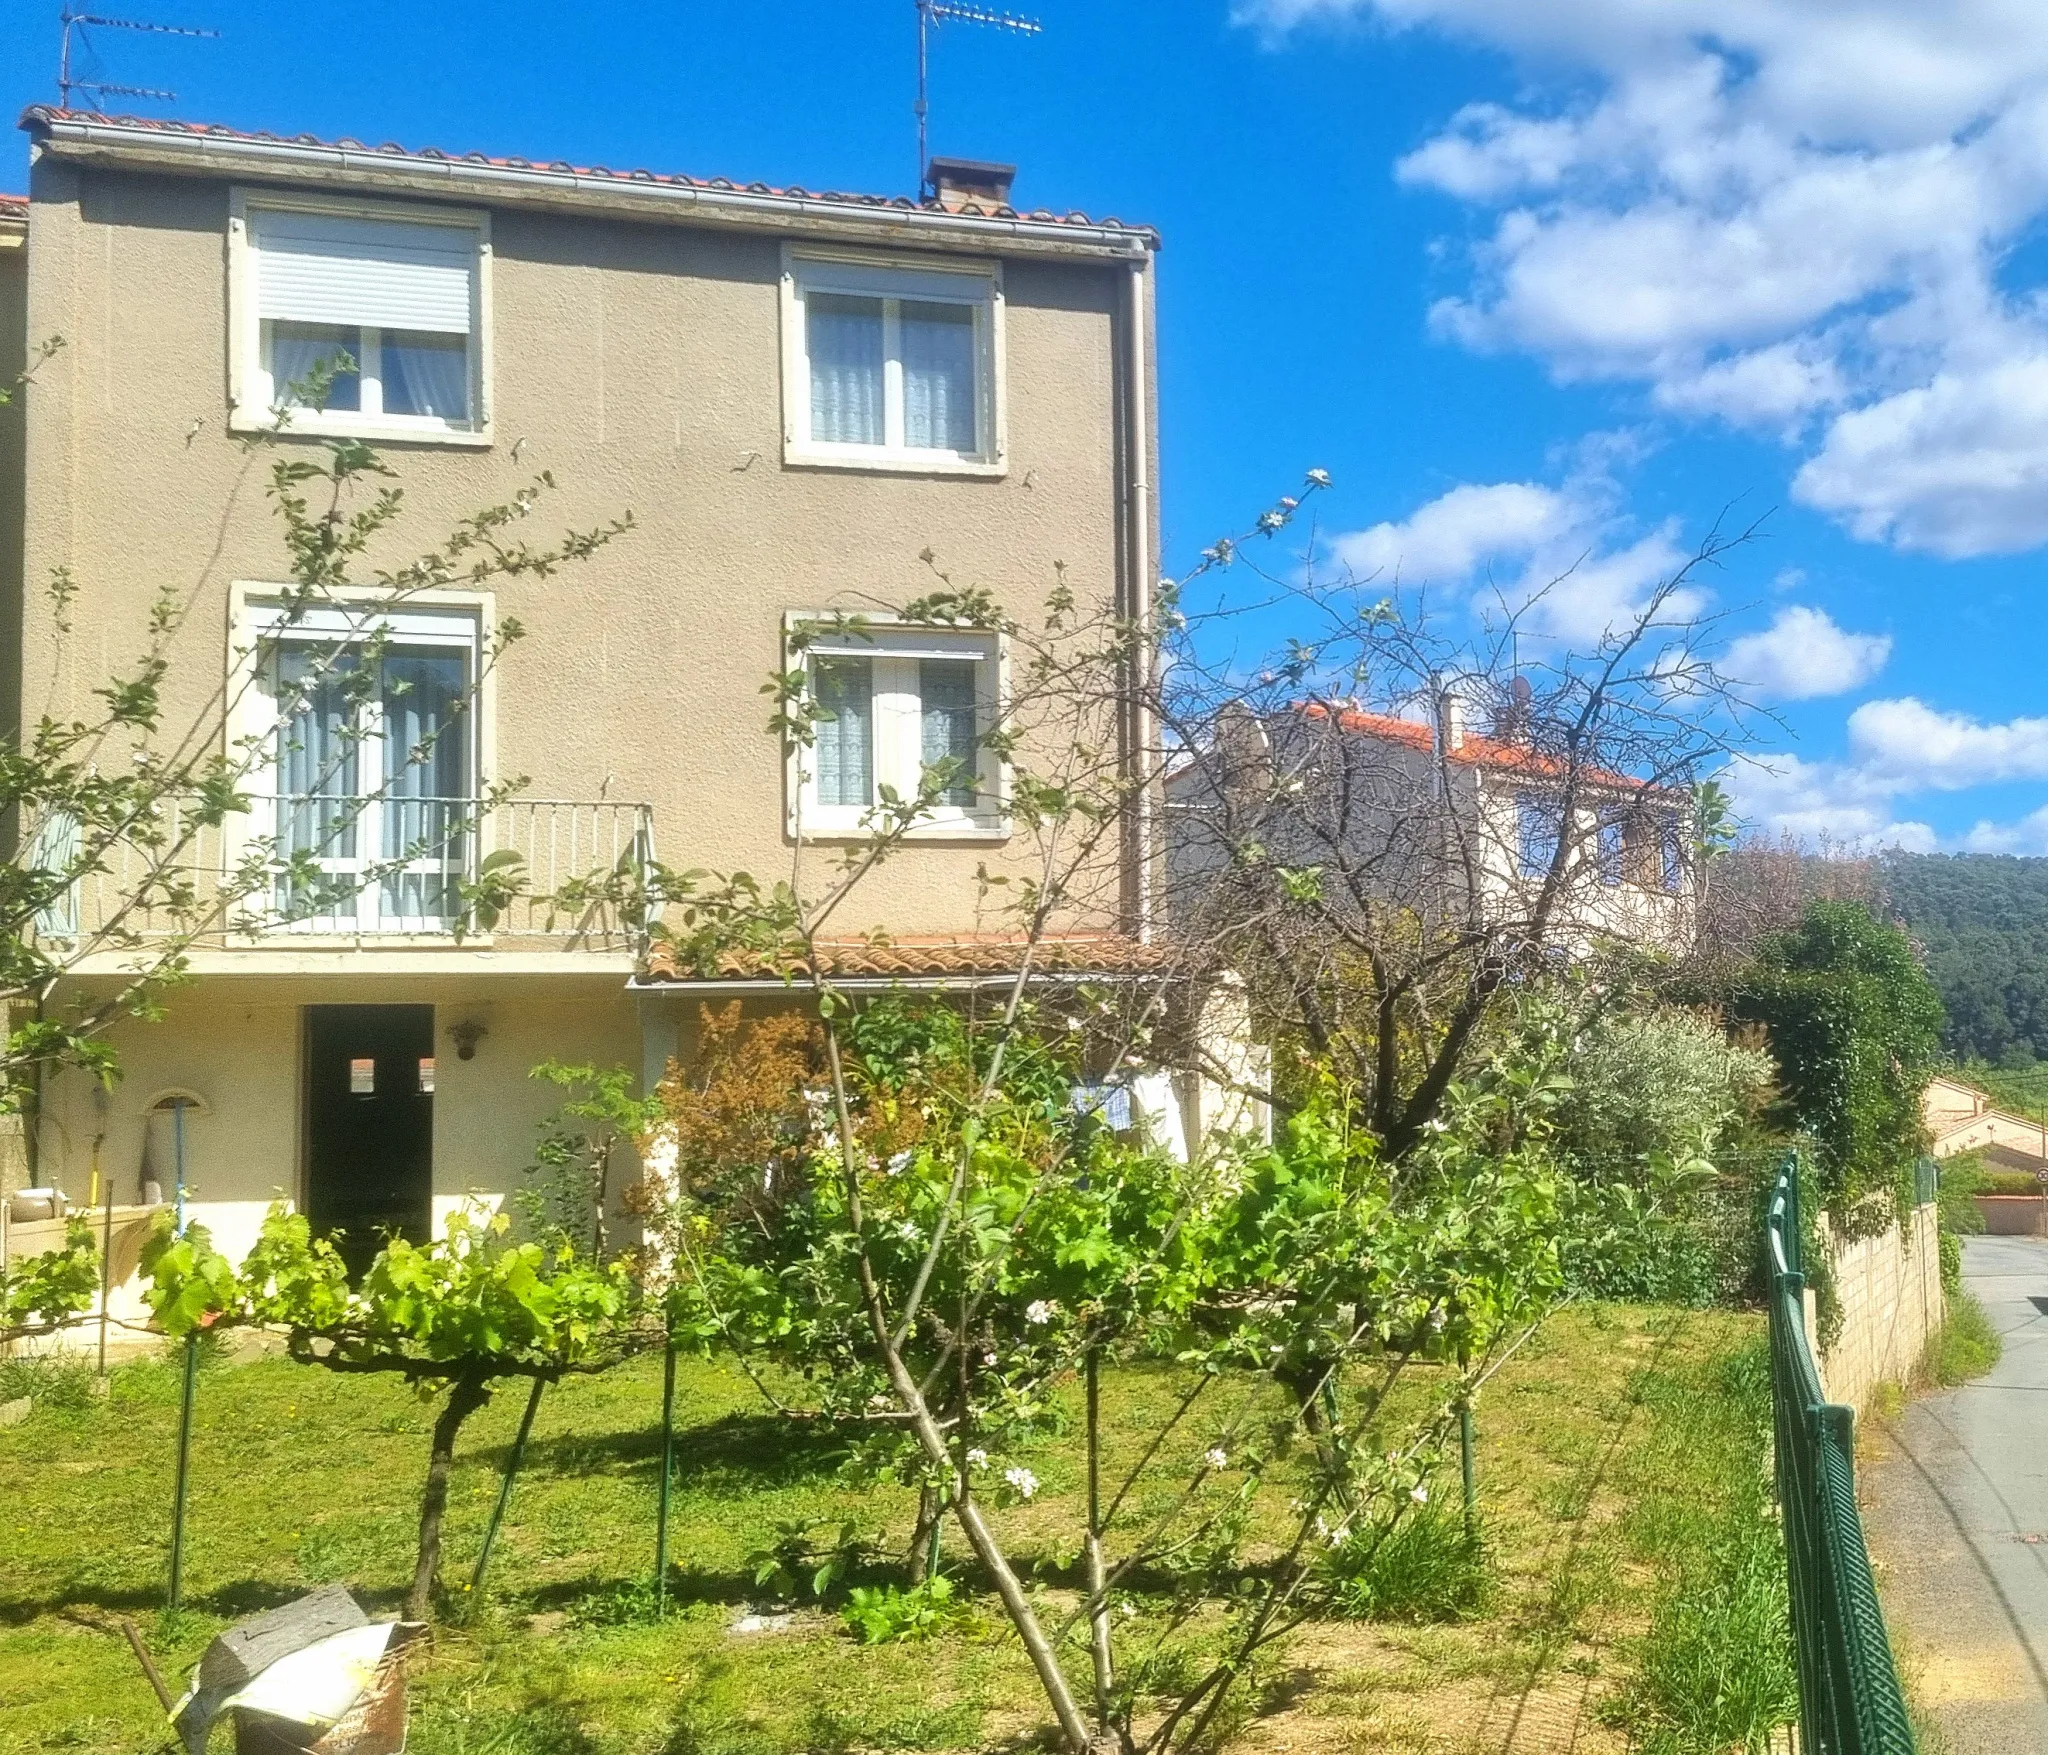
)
(1967, 1346)
(1854, 1025)
(882, 1614)
(1425, 1567)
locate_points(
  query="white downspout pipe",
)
(1140, 516)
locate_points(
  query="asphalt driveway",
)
(1955, 1504)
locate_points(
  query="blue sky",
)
(1540, 283)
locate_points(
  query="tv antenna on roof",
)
(100, 88)
(931, 13)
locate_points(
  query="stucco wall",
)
(235, 1045)
(640, 363)
(1890, 1288)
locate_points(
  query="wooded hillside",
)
(1982, 920)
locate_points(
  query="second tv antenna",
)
(936, 12)
(102, 89)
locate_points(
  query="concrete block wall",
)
(1890, 1288)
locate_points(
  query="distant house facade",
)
(1961, 1118)
(793, 393)
(1429, 814)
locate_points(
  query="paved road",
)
(1955, 1497)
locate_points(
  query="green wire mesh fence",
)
(1849, 1699)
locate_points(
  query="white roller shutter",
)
(391, 274)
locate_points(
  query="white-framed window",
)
(393, 300)
(1539, 826)
(371, 747)
(897, 704)
(892, 365)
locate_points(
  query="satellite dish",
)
(1520, 691)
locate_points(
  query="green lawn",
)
(1603, 1424)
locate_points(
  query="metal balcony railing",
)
(308, 868)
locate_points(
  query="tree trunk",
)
(930, 1509)
(465, 1396)
(1099, 1646)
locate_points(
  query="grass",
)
(1715, 1666)
(1598, 1454)
(1967, 1345)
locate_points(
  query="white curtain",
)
(296, 348)
(938, 377)
(317, 748)
(844, 338)
(946, 691)
(425, 374)
(845, 748)
(426, 781)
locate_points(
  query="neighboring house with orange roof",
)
(793, 392)
(1961, 1118)
(1426, 808)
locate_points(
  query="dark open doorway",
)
(369, 1125)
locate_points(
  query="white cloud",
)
(1897, 748)
(2028, 835)
(1820, 804)
(1909, 746)
(1565, 556)
(1958, 466)
(1454, 535)
(1788, 216)
(1803, 654)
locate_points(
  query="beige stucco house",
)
(1961, 1118)
(793, 393)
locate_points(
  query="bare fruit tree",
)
(1390, 822)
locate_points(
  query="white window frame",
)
(251, 391)
(896, 648)
(978, 285)
(438, 619)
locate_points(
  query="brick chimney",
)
(961, 181)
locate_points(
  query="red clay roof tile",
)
(969, 955)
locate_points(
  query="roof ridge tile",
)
(38, 115)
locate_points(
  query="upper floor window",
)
(1612, 844)
(1539, 825)
(388, 301)
(900, 708)
(892, 367)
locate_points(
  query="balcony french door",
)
(375, 810)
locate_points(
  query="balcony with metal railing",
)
(314, 870)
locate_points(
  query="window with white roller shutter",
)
(359, 319)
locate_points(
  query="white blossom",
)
(907, 1229)
(1419, 1493)
(1039, 1311)
(1217, 1459)
(1023, 1480)
(977, 1458)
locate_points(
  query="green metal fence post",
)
(668, 1459)
(184, 1468)
(1466, 1468)
(483, 1560)
(191, 1388)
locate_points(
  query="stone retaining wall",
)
(1890, 1289)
